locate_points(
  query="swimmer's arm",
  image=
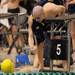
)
(30, 33)
(72, 2)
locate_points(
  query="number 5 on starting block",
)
(59, 49)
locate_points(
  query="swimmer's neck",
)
(33, 17)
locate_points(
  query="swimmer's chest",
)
(38, 26)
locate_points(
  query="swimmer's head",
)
(38, 13)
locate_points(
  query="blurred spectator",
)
(59, 2)
(14, 7)
(3, 25)
(29, 5)
(41, 2)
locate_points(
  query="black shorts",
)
(12, 20)
(71, 8)
(39, 38)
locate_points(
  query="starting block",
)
(58, 47)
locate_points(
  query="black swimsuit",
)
(38, 29)
(16, 10)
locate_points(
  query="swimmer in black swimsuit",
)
(38, 61)
(37, 27)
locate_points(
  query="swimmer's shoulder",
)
(30, 20)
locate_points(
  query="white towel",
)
(5, 23)
(3, 10)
